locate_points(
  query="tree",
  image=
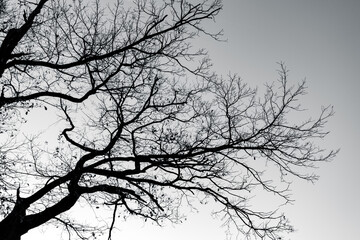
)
(144, 126)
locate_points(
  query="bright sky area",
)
(318, 40)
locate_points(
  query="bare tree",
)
(144, 125)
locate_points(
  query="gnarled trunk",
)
(10, 230)
(12, 227)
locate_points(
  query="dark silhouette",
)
(143, 123)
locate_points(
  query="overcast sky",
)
(318, 40)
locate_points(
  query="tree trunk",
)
(12, 226)
(9, 231)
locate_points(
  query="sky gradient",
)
(318, 40)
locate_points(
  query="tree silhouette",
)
(143, 126)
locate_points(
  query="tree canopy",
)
(143, 125)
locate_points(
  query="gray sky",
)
(318, 40)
